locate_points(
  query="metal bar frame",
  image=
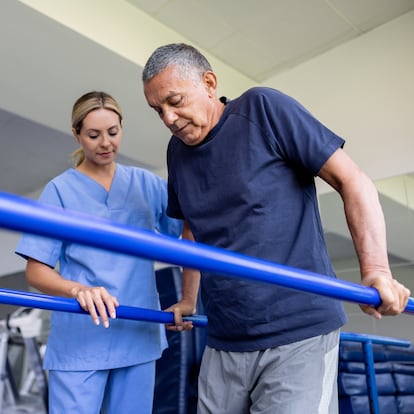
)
(367, 341)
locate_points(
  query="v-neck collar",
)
(115, 196)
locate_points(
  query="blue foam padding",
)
(405, 404)
(359, 404)
(356, 384)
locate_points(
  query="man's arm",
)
(367, 227)
(190, 286)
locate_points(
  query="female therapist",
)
(107, 366)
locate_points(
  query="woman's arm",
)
(93, 299)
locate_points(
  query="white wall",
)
(364, 91)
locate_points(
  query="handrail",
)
(22, 214)
(374, 339)
(60, 304)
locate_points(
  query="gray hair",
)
(187, 58)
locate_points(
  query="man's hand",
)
(394, 295)
(180, 309)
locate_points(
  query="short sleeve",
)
(42, 249)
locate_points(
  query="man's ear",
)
(210, 81)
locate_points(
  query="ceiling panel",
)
(368, 14)
(283, 37)
(264, 38)
(208, 30)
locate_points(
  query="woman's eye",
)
(93, 136)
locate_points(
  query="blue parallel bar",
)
(371, 380)
(21, 214)
(56, 303)
(367, 341)
(382, 340)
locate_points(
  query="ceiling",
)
(45, 66)
(263, 38)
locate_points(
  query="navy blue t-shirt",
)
(249, 188)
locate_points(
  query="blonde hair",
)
(87, 103)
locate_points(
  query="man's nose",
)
(169, 117)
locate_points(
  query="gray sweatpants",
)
(290, 379)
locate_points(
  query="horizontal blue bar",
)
(56, 303)
(21, 214)
(365, 338)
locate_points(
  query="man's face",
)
(184, 103)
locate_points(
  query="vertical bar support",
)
(371, 380)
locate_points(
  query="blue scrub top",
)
(136, 198)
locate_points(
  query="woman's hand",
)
(98, 302)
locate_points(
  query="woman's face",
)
(100, 136)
